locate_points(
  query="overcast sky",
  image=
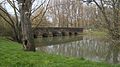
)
(10, 9)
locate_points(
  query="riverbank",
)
(12, 55)
(95, 33)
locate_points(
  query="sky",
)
(10, 9)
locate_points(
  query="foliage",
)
(12, 55)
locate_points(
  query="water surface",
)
(89, 47)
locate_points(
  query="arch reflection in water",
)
(89, 47)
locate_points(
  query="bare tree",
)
(12, 22)
(21, 23)
(110, 10)
(70, 13)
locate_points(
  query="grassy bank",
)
(12, 55)
(96, 33)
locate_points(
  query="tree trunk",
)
(16, 36)
(27, 36)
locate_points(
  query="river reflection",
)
(88, 47)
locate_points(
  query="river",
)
(92, 48)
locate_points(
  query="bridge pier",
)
(56, 33)
(71, 33)
(50, 34)
(65, 33)
(75, 33)
(44, 34)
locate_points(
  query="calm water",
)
(89, 47)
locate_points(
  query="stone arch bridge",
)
(56, 31)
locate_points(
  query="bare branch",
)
(103, 12)
(15, 13)
(37, 15)
(2, 2)
(3, 10)
(13, 5)
(33, 1)
(38, 7)
(42, 16)
(6, 20)
(98, 5)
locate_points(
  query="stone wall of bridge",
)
(56, 31)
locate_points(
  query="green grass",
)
(95, 33)
(12, 55)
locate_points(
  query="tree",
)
(71, 13)
(12, 22)
(21, 22)
(25, 13)
(110, 10)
